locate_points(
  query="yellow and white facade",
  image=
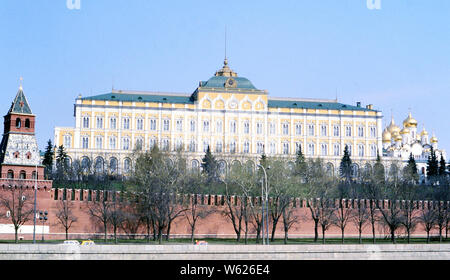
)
(227, 113)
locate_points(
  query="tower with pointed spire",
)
(19, 153)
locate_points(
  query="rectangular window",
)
(126, 123)
(361, 150)
(373, 150)
(273, 149)
(298, 147)
(179, 125)
(166, 125)
(126, 143)
(337, 150)
(360, 131)
(112, 142)
(179, 144)
(112, 123)
(324, 149)
(99, 142)
(85, 141)
(140, 124)
(232, 147)
(285, 129)
(311, 149)
(205, 145)
(323, 130)
(233, 127)
(336, 130)
(373, 131)
(259, 128)
(219, 128)
(272, 128)
(286, 148)
(246, 147)
(246, 127)
(192, 125)
(67, 141)
(260, 148)
(152, 124)
(85, 122)
(165, 144)
(206, 126)
(298, 129)
(311, 130)
(218, 146)
(99, 122)
(348, 131)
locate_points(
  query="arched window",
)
(85, 164)
(99, 163)
(127, 165)
(113, 165)
(34, 175)
(27, 123)
(18, 123)
(22, 175)
(10, 174)
(195, 165)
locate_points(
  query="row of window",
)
(22, 175)
(219, 147)
(206, 127)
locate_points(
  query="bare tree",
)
(18, 205)
(409, 220)
(99, 211)
(427, 217)
(290, 216)
(343, 215)
(327, 216)
(65, 215)
(360, 218)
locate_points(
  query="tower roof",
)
(227, 78)
(20, 104)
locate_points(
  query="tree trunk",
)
(285, 235)
(323, 235)
(428, 236)
(342, 234)
(316, 230)
(373, 233)
(104, 227)
(192, 233)
(360, 238)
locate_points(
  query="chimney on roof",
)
(358, 104)
(370, 107)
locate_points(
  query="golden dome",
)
(433, 139)
(410, 121)
(404, 131)
(424, 132)
(386, 136)
(393, 128)
(398, 137)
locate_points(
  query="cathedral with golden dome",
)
(400, 143)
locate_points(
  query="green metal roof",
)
(20, 104)
(314, 105)
(158, 98)
(219, 82)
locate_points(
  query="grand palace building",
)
(235, 119)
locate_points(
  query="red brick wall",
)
(215, 225)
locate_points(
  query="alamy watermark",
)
(373, 4)
(73, 4)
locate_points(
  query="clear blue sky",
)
(396, 58)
